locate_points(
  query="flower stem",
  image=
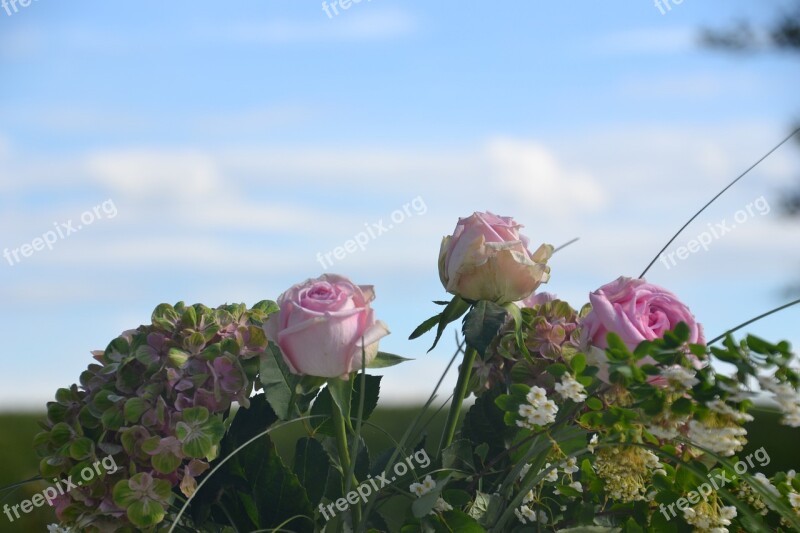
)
(459, 394)
(344, 458)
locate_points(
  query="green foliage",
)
(482, 323)
(547, 445)
(454, 309)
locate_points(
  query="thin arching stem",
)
(759, 317)
(720, 193)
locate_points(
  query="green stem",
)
(459, 394)
(344, 459)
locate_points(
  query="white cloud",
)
(395, 169)
(682, 86)
(363, 22)
(244, 207)
(157, 175)
(531, 172)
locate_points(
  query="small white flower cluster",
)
(627, 471)
(725, 440)
(427, 485)
(421, 489)
(576, 485)
(767, 484)
(667, 429)
(539, 411)
(746, 494)
(706, 518)
(55, 528)
(552, 475)
(787, 398)
(718, 406)
(680, 378)
(592, 443)
(571, 389)
(571, 466)
(441, 506)
(794, 500)
(527, 515)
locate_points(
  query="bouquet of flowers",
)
(610, 417)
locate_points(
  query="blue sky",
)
(237, 141)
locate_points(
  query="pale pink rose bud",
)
(486, 258)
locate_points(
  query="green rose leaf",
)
(385, 360)
(311, 467)
(482, 323)
(322, 405)
(279, 384)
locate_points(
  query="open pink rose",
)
(636, 311)
(320, 326)
(486, 258)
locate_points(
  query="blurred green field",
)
(19, 461)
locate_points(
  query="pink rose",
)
(636, 311)
(486, 258)
(320, 326)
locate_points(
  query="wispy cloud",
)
(366, 23)
(150, 174)
(647, 41)
(681, 86)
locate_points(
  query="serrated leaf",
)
(271, 491)
(311, 467)
(482, 324)
(278, 382)
(458, 456)
(341, 392)
(486, 508)
(322, 405)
